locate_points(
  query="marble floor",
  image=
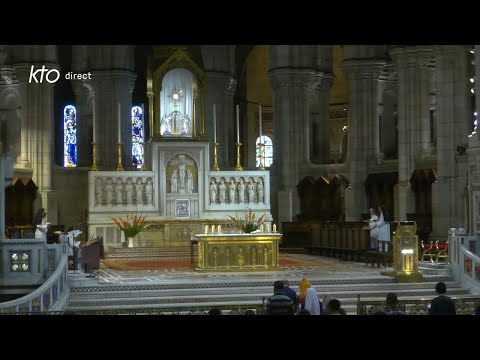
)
(328, 268)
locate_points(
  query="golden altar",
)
(234, 252)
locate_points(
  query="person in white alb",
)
(383, 231)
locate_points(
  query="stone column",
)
(473, 153)
(319, 87)
(219, 91)
(39, 123)
(413, 120)
(363, 77)
(83, 103)
(113, 82)
(290, 129)
(452, 114)
(113, 87)
(379, 156)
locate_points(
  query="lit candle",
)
(238, 124)
(219, 229)
(260, 120)
(213, 229)
(274, 228)
(93, 118)
(119, 123)
(214, 124)
(268, 228)
(206, 229)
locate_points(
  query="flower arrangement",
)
(132, 225)
(248, 223)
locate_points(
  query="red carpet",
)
(185, 264)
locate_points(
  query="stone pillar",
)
(38, 123)
(379, 156)
(290, 129)
(83, 91)
(473, 153)
(413, 120)
(83, 104)
(319, 87)
(453, 114)
(2, 189)
(363, 77)
(219, 91)
(112, 82)
(219, 64)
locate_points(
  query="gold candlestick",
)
(94, 156)
(119, 167)
(238, 167)
(262, 150)
(215, 157)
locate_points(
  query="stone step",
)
(348, 301)
(159, 296)
(192, 290)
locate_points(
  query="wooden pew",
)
(343, 239)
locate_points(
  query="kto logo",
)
(51, 78)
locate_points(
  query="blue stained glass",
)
(69, 136)
(264, 153)
(137, 137)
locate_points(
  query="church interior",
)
(180, 178)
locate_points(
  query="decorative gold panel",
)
(232, 252)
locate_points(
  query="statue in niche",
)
(250, 192)
(222, 188)
(129, 191)
(149, 191)
(260, 190)
(189, 182)
(181, 164)
(213, 191)
(174, 182)
(231, 191)
(99, 191)
(119, 191)
(139, 189)
(109, 191)
(241, 192)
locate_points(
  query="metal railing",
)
(465, 305)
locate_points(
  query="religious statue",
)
(109, 191)
(231, 191)
(129, 191)
(180, 176)
(149, 191)
(189, 182)
(250, 192)
(139, 188)
(222, 188)
(119, 191)
(213, 191)
(241, 192)
(174, 182)
(260, 190)
(99, 191)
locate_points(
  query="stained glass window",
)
(69, 136)
(137, 137)
(264, 148)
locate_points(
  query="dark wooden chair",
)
(90, 256)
